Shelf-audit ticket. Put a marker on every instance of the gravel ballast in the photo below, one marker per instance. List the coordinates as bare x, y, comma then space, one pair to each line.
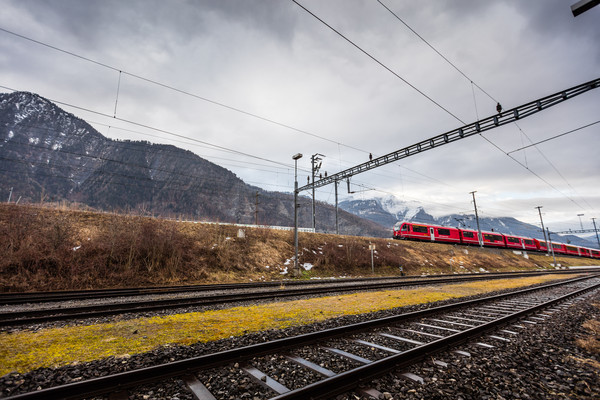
541, 362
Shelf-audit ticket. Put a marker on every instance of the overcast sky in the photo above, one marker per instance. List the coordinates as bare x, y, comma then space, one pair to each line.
267, 79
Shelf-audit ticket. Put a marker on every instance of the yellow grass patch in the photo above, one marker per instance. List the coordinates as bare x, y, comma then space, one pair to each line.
25, 351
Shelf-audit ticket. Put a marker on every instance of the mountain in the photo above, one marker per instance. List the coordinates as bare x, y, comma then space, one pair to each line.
388, 210
50, 155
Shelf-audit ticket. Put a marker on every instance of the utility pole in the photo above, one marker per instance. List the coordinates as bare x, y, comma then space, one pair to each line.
596, 230
337, 227
296, 264
10, 194
314, 159
580, 223
256, 210
550, 247
480, 237
544, 230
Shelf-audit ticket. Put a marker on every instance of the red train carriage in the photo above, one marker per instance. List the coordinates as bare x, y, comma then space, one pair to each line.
430, 233
492, 239
541, 245
514, 242
529, 244
583, 252
468, 237
594, 253
572, 250
559, 248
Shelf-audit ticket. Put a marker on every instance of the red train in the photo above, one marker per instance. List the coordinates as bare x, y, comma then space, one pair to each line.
444, 234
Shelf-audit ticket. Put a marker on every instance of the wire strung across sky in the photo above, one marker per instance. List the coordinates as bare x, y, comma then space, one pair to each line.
436, 103
263, 118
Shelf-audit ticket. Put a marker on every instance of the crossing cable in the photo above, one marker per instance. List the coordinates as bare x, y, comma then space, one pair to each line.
121, 72
465, 131
378, 62
163, 85
434, 49
554, 137
139, 124
475, 103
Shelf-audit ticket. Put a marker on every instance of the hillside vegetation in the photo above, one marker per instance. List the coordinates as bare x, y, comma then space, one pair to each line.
56, 249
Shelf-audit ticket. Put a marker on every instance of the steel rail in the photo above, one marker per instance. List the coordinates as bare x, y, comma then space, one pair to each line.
15, 298
37, 316
351, 379
125, 380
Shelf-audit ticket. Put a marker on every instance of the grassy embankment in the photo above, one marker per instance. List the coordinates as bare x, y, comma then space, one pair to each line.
54, 249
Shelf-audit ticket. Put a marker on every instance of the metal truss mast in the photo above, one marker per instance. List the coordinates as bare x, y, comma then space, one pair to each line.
502, 118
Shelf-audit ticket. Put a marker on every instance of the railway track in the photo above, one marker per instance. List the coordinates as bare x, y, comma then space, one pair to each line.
15, 298
326, 363
248, 292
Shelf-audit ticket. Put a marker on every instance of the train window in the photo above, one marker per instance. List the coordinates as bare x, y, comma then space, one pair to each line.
445, 232
404, 227
468, 235
528, 242
557, 246
492, 238
419, 229
512, 240
571, 248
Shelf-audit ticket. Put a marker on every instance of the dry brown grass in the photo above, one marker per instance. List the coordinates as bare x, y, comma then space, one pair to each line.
53, 249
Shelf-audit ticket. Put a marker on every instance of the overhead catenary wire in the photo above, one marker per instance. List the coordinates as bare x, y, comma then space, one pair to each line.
181, 91
379, 62
398, 76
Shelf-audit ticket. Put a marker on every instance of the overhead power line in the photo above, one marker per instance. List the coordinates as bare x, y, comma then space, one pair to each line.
475, 128
181, 91
434, 49
378, 62
166, 132
554, 137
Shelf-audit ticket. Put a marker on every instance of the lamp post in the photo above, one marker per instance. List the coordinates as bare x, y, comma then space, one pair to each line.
296, 157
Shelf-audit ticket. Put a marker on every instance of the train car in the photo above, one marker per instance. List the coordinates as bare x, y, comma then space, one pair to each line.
541, 245
572, 250
468, 237
594, 253
558, 248
514, 242
529, 244
490, 239
583, 252
430, 233
493, 239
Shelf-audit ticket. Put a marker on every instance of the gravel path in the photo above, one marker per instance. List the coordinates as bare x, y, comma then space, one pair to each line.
541, 362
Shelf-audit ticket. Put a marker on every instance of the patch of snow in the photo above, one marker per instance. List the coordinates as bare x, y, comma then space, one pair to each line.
483, 270
34, 140
285, 271
267, 267
340, 245
307, 266
76, 248
11, 134
56, 146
